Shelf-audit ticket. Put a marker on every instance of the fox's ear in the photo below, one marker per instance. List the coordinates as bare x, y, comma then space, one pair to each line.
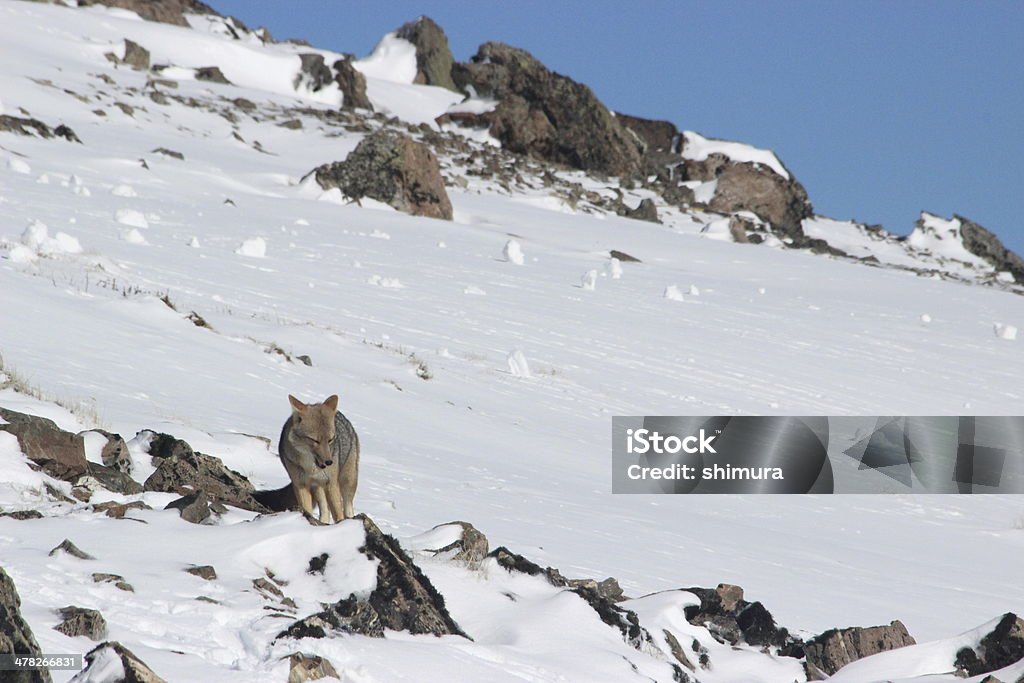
297, 405
331, 402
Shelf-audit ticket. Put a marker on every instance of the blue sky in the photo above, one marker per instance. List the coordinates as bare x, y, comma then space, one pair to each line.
881, 109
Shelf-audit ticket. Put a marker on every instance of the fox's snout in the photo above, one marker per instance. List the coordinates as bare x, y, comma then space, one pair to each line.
321, 463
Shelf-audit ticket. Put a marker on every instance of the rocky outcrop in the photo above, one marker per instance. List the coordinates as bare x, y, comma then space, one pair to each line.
211, 74
834, 649
657, 136
756, 188
34, 127
403, 599
544, 114
164, 11
135, 56
181, 470
103, 657
313, 74
1001, 647
731, 619
471, 547
15, 635
58, 453
392, 168
985, 245
433, 56
352, 84
80, 621
644, 211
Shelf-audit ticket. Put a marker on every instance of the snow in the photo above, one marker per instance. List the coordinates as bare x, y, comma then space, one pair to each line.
393, 59
131, 217
942, 238
1004, 331
589, 280
511, 431
672, 293
699, 148
254, 247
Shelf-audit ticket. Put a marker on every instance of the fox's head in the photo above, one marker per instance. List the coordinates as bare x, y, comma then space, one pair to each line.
313, 428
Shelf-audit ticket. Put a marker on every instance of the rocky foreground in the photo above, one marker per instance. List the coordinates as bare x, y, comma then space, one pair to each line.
403, 598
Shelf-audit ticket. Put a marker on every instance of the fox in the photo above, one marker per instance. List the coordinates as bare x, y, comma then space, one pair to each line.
319, 449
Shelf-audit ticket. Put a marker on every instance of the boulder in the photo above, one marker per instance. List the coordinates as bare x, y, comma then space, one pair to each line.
79, 621
15, 635
116, 579
433, 56
313, 74
66, 546
403, 600
211, 74
306, 667
986, 245
730, 619
392, 168
999, 648
114, 453
59, 454
657, 136
544, 114
113, 479
135, 56
205, 572
352, 84
644, 211
834, 649
472, 546
188, 473
105, 656
194, 508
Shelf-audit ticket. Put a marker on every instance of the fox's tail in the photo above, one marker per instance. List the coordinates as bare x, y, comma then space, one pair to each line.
278, 500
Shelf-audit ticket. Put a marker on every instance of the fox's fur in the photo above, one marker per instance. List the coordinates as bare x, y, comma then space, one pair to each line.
319, 449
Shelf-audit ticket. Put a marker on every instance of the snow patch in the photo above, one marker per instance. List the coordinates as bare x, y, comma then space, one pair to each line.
698, 148
254, 247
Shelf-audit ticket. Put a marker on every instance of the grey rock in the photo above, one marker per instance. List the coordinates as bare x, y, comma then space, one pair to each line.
306, 667
658, 136
352, 84
116, 579
22, 515
135, 670
623, 257
433, 56
66, 546
135, 56
169, 153
114, 453
16, 636
313, 74
644, 211
834, 649
758, 189
211, 74
544, 114
194, 508
403, 600
80, 621
113, 480
60, 454
205, 572
472, 546
392, 168
731, 619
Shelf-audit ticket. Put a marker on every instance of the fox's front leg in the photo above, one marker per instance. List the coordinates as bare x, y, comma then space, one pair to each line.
305, 498
321, 503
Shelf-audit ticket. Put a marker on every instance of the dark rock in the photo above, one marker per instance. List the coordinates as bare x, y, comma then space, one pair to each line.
187, 473
544, 114
65, 132
677, 195
305, 667
623, 256
291, 124
116, 579
313, 74
211, 74
193, 508
472, 546
644, 211
730, 619
393, 168
135, 671
114, 480
25, 126
1001, 647
986, 245
677, 650
70, 548
164, 11
623, 619
16, 636
79, 621
403, 600
609, 588
433, 56
22, 515
59, 454
166, 446
658, 136
204, 572
244, 104
135, 56
834, 649
169, 153
352, 83
305, 360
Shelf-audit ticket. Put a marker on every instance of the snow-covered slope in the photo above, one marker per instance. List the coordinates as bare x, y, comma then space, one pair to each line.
94, 233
